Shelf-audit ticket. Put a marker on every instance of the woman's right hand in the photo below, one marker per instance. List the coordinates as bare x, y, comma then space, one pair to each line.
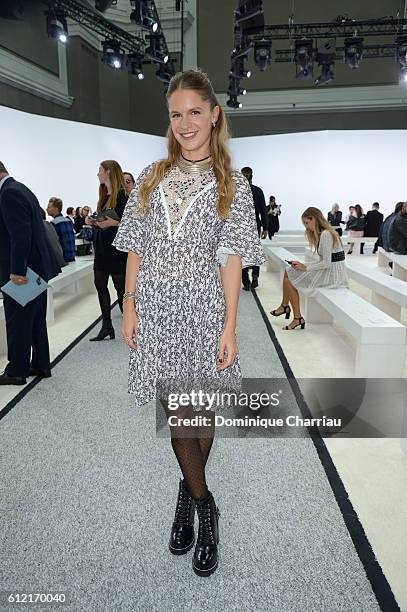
89, 221
130, 325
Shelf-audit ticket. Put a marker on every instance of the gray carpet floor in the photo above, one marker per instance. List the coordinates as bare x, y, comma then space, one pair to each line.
88, 493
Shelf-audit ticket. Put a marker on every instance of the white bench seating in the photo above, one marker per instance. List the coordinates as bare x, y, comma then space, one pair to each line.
380, 339
389, 294
76, 277
399, 268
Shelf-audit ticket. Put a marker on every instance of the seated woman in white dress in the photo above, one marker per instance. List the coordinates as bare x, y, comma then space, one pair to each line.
329, 271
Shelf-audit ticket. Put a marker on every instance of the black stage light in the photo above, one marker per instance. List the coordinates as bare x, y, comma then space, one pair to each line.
401, 55
13, 9
326, 60
262, 54
135, 65
162, 74
327, 74
304, 58
103, 5
353, 51
112, 54
143, 15
238, 70
156, 49
247, 10
57, 26
233, 102
234, 87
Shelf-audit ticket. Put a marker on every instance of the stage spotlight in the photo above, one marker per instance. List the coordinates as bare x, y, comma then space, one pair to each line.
162, 74
238, 70
154, 50
304, 58
143, 15
401, 52
233, 102
103, 5
135, 66
247, 10
262, 54
112, 54
353, 51
327, 74
326, 59
57, 26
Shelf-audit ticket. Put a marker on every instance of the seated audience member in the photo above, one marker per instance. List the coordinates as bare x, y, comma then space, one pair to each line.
54, 240
63, 228
273, 212
398, 232
356, 227
374, 220
384, 230
129, 182
329, 271
70, 214
335, 218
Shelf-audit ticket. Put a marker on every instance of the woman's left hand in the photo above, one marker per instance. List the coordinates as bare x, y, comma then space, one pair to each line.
227, 344
298, 265
109, 222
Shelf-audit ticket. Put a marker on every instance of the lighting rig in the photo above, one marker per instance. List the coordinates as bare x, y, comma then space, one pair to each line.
120, 49
309, 44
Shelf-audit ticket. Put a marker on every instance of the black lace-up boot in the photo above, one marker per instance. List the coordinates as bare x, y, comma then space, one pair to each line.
182, 533
205, 559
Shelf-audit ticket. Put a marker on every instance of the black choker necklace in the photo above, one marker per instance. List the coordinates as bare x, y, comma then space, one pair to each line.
195, 161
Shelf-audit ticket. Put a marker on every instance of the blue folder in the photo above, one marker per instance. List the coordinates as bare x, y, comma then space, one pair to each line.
25, 293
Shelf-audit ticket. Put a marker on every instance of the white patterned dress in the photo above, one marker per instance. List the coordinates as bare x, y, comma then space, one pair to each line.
179, 295
324, 272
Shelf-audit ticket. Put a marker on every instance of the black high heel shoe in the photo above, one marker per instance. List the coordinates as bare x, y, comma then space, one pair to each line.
301, 323
286, 311
104, 332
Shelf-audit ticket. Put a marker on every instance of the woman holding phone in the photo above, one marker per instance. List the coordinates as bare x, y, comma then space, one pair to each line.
108, 260
328, 271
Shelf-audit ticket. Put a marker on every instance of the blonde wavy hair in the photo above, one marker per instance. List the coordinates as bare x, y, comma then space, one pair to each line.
198, 81
320, 225
116, 181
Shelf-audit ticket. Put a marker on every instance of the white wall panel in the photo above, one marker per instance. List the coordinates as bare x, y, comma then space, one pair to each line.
320, 168
61, 158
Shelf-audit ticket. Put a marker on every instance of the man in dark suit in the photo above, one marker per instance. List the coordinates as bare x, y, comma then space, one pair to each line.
374, 220
23, 244
261, 220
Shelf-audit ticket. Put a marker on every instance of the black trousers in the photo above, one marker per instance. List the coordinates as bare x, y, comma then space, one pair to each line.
245, 274
101, 280
27, 337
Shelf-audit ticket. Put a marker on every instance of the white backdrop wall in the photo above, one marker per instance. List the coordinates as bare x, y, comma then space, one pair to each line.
60, 158
320, 168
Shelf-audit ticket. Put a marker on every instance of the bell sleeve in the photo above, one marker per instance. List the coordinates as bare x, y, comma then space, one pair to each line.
239, 231
132, 229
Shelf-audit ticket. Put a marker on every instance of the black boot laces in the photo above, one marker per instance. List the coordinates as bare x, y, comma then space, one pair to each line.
205, 534
182, 512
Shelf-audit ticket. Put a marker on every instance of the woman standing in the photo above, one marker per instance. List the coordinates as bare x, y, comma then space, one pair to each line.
188, 213
273, 212
108, 260
329, 271
335, 218
356, 227
128, 182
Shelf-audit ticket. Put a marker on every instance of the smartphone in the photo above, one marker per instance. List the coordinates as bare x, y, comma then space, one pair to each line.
289, 262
